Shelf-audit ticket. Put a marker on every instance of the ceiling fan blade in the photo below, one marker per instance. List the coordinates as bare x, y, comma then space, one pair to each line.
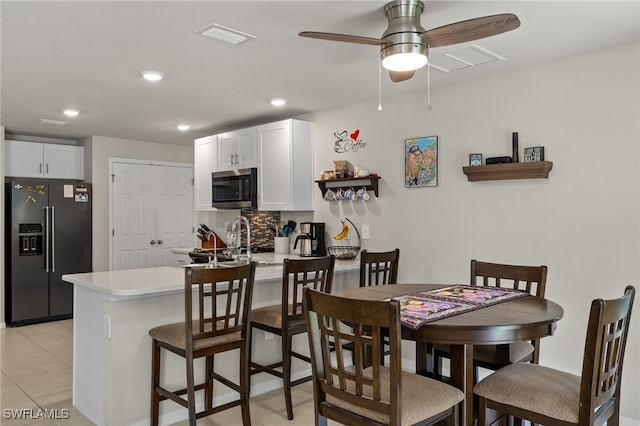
397, 76
472, 29
342, 37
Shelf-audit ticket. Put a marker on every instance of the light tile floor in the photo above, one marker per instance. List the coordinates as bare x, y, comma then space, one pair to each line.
35, 374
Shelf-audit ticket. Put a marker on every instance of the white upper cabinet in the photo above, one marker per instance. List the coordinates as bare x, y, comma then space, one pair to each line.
43, 160
205, 162
237, 149
285, 166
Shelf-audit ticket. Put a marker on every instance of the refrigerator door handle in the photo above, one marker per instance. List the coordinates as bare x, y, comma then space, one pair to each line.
46, 239
53, 239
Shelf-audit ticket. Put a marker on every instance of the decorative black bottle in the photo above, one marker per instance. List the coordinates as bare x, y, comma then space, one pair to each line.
514, 146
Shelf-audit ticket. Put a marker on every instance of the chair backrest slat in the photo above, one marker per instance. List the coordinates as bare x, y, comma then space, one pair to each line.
603, 355
222, 301
359, 323
532, 279
297, 274
379, 268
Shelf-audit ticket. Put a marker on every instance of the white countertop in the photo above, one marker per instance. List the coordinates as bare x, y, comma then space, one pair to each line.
151, 281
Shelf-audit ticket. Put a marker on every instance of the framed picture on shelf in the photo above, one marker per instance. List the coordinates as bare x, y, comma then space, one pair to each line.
475, 159
421, 162
535, 153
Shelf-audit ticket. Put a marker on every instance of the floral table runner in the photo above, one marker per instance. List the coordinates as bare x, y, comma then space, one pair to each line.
420, 308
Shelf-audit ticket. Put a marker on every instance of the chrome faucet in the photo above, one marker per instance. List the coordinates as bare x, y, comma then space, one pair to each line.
247, 257
213, 263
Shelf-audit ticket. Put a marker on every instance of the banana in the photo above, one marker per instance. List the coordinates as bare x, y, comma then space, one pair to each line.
343, 233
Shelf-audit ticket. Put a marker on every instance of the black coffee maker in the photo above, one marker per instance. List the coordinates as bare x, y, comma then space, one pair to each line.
316, 231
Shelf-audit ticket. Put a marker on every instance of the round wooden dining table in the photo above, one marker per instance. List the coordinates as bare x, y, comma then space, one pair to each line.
514, 320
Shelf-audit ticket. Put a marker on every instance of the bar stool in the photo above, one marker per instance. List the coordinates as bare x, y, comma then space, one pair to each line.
287, 319
217, 306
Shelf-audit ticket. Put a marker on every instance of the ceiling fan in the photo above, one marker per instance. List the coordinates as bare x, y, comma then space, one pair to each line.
405, 44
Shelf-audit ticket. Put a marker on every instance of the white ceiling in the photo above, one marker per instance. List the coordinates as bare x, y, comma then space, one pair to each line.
88, 55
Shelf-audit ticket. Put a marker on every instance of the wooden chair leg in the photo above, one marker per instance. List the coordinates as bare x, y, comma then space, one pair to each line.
155, 381
208, 389
421, 358
437, 365
245, 387
250, 351
286, 372
191, 394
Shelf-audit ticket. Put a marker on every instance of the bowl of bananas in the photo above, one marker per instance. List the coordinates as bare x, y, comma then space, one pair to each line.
345, 252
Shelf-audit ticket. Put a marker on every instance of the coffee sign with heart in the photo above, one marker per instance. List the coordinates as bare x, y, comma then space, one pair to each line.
348, 141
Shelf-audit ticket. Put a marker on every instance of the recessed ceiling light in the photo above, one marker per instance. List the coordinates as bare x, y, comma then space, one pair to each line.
71, 112
183, 127
278, 101
152, 75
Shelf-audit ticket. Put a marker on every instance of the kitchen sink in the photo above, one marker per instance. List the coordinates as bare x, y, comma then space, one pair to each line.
230, 264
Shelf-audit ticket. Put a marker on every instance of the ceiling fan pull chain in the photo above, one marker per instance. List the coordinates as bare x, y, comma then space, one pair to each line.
428, 83
379, 86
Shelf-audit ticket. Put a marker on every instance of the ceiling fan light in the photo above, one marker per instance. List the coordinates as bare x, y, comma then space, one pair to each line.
404, 61
152, 75
278, 102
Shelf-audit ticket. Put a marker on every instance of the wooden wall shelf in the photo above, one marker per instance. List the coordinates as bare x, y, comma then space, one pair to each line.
532, 170
369, 182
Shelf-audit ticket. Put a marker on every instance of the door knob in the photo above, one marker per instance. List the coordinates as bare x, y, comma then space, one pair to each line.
159, 242
152, 242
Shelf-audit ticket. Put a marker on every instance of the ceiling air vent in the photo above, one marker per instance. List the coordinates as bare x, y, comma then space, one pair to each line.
53, 122
221, 33
460, 59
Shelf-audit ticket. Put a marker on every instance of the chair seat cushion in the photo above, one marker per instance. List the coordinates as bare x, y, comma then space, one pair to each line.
535, 388
173, 334
422, 397
271, 316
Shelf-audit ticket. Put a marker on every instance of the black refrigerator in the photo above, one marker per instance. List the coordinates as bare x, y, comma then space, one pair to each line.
47, 235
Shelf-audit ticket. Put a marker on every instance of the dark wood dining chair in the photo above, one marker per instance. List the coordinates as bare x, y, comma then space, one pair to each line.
561, 398
217, 306
379, 268
533, 280
360, 394
287, 319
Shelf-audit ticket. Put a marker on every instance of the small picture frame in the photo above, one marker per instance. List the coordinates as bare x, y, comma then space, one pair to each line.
421, 162
534, 153
475, 159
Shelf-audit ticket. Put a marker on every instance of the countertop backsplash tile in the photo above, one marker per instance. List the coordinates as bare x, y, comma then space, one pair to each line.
261, 222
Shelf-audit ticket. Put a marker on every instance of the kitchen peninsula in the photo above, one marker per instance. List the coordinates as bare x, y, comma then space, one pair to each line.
113, 312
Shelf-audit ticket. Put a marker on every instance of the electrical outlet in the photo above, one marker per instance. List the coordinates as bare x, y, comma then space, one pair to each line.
106, 325
365, 231
268, 335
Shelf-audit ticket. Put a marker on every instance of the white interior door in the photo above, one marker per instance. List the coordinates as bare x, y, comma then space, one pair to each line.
152, 212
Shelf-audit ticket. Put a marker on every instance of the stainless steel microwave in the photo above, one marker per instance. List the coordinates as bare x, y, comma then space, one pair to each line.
235, 189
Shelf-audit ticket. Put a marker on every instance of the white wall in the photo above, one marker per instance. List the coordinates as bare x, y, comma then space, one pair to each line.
101, 149
583, 222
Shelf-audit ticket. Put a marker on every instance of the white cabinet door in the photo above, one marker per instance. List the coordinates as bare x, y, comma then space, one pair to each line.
23, 159
44, 160
285, 166
246, 146
237, 149
227, 150
205, 152
63, 161
151, 213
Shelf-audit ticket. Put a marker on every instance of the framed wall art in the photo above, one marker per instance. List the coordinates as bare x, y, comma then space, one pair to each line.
421, 162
